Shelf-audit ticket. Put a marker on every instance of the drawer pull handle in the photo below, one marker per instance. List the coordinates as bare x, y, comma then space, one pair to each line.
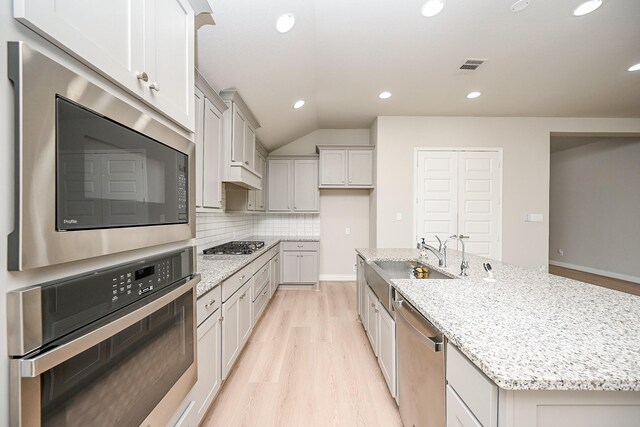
155, 86
241, 277
301, 246
210, 303
143, 76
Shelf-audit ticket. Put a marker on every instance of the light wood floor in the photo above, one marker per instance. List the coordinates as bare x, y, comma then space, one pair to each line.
607, 282
308, 363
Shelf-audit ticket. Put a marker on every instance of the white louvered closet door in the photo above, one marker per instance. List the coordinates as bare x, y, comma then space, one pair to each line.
458, 192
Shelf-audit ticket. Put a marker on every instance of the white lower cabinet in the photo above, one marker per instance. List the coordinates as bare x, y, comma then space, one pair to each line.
300, 262
458, 415
360, 286
275, 273
209, 366
387, 348
380, 327
372, 319
236, 326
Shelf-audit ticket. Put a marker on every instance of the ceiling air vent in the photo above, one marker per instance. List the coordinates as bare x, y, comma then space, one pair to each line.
472, 64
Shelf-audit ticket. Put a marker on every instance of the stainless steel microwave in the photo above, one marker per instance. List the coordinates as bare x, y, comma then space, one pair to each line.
94, 175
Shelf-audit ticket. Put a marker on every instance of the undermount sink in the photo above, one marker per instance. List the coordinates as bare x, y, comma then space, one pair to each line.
406, 270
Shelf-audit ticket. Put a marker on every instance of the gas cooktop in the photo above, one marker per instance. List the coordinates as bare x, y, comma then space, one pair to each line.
244, 247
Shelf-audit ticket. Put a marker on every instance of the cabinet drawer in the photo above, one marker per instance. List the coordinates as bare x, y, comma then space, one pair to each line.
259, 263
259, 304
208, 303
261, 279
477, 391
300, 246
234, 282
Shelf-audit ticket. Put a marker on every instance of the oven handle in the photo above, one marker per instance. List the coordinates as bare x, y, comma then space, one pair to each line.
31, 368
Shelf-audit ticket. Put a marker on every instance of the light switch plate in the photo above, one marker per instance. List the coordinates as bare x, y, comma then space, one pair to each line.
399, 216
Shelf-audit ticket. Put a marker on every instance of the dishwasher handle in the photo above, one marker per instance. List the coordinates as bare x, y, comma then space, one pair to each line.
419, 324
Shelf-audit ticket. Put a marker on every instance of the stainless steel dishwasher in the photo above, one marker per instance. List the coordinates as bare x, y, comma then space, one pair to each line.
421, 379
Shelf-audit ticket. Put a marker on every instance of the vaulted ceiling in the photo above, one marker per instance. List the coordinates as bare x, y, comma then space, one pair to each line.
341, 54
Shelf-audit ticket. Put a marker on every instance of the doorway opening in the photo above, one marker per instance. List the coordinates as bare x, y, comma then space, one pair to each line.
594, 209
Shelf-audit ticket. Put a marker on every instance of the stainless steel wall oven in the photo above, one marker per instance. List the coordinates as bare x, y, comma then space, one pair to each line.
115, 347
94, 175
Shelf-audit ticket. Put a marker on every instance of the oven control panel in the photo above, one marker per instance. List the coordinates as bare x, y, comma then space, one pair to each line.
129, 285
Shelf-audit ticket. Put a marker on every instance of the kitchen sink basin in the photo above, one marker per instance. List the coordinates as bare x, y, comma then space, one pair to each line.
406, 270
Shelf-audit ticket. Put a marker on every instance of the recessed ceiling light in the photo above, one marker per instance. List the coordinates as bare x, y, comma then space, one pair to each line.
384, 95
432, 7
634, 67
285, 22
298, 104
587, 7
473, 95
520, 5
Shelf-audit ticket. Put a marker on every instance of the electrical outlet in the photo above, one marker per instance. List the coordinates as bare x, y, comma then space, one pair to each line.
399, 216
543, 268
354, 267
347, 231
561, 252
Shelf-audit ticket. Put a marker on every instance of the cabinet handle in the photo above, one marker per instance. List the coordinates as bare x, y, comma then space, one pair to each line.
246, 162
241, 277
301, 246
210, 303
143, 76
155, 86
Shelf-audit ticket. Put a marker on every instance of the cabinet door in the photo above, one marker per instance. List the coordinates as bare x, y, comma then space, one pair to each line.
279, 184
290, 267
231, 340
360, 286
245, 313
308, 267
199, 140
237, 136
333, 167
306, 196
275, 273
360, 167
249, 154
169, 57
372, 321
387, 348
106, 35
212, 181
260, 194
458, 415
365, 310
209, 367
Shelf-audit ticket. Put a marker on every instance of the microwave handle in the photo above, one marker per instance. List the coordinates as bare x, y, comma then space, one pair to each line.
34, 367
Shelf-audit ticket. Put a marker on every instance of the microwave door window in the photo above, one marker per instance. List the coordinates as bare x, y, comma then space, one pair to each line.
111, 176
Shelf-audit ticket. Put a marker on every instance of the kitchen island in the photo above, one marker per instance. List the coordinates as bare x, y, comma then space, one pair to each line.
555, 347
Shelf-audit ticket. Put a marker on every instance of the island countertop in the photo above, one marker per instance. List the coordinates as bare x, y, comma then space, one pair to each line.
529, 330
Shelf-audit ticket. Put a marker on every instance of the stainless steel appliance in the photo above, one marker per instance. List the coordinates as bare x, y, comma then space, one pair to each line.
94, 175
115, 347
245, 247
421, 374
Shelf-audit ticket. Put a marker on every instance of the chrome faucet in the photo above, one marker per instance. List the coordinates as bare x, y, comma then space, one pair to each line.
464, 266
441, 253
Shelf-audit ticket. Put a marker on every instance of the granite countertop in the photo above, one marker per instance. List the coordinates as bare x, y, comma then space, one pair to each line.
215, 268
530, 330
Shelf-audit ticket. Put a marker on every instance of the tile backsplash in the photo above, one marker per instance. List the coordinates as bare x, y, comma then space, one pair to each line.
216, 228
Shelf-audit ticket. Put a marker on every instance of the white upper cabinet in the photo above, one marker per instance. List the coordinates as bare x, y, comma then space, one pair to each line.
239, 143
293, 185
344, 166
147, 47
209, 108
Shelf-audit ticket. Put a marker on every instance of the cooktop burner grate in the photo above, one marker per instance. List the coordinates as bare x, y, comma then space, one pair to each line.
243, 247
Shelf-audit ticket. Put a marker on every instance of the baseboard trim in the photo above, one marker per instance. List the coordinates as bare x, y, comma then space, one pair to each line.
599, 272
337, 277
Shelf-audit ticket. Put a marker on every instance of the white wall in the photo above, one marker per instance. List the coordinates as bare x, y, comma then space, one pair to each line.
12, 30
525, 143
307, 144
595, 208
338, 208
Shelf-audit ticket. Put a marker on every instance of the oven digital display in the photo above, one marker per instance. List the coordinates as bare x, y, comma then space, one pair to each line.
144, 272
